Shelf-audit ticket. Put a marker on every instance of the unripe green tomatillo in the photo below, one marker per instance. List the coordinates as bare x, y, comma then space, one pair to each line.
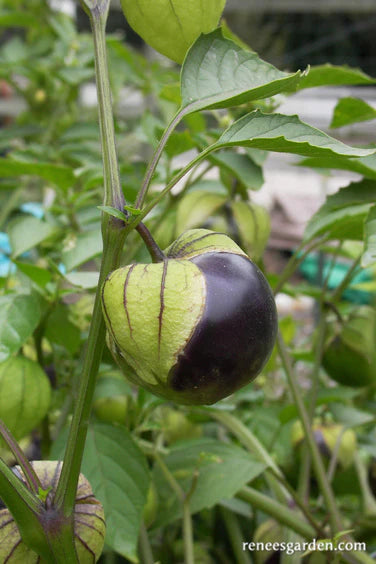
89, 523
171, 26
25, 395
195, 327
326, 437
350, 353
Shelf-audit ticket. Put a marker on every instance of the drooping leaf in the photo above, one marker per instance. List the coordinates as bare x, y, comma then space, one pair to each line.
242, 167
285, 134
60, 175
343, 213
86, 246
369, 255
365, 166
331, 75
27, 232
222, 469
19, 316
217, 73
118, 473
351, 110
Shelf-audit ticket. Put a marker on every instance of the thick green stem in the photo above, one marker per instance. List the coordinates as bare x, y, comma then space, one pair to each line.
113, 239
280, 512
334, 516
188, 534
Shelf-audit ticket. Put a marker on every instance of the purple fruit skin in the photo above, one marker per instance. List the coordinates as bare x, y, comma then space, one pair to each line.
236, 335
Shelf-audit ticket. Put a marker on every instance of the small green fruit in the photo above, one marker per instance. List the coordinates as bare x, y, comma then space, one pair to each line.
195, 327
171, 26
151, 506
89, 529
176, 426
111, 399
350, 353
326, 437
112, 409
25, 395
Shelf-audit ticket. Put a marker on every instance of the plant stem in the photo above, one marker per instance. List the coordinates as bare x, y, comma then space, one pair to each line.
155, 158
155, 252
369, 501
113, 234
349, 275
305, 471
334, 516
280, 512
30, 476
188, 534
247, 438
235, 536
144, 546
169, 187
294, 262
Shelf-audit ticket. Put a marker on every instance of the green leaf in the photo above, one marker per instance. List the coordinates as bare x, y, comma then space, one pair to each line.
84, 279
343, 213
133, 210
217, 73
17, 18
365, 166
60, 175
241, 166
40, 276
113, 211
222, 470
26, 232
324, 396
19, 316
118, 473
86, 246
74, 76
351, 416
330, 75
285, 134
60, 330
351, 110
369, 255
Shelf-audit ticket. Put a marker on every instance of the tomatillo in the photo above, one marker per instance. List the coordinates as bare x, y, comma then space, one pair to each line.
196, 326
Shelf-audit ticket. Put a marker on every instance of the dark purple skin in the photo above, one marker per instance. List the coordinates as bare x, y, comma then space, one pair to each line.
235, 337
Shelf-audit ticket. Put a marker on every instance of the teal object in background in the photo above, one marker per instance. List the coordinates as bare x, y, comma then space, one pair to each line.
309, 268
